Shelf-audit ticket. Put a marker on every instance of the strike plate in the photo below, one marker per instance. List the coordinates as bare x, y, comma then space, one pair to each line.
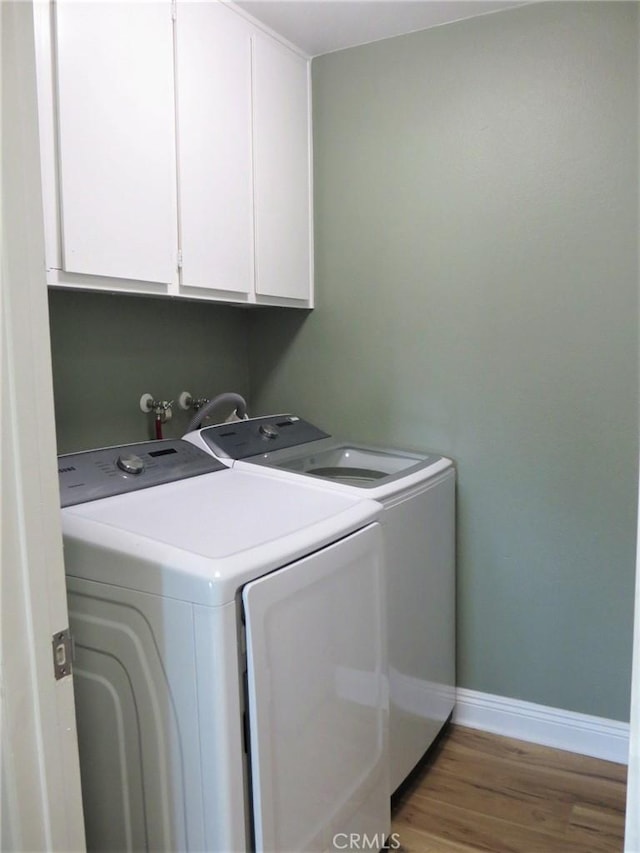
62, 653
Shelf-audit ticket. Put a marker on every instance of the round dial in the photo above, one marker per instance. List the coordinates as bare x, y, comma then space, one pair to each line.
268, 431
130, 463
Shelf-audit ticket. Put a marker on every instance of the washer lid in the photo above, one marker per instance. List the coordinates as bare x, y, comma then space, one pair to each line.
201, 539
357, 464
290, 446
352, 468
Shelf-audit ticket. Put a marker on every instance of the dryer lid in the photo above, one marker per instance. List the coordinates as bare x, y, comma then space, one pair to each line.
202, 538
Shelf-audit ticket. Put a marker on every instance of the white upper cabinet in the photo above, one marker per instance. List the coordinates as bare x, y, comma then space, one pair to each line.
213, 65
175, 150
116, 130
282, 170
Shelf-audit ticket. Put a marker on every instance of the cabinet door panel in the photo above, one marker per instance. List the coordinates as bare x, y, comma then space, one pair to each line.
116, 124
214, 150
281, 158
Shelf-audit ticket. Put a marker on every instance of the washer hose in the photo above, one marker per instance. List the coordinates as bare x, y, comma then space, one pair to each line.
227, 398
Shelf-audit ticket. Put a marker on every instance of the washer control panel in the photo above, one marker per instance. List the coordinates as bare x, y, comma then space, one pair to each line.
94, 474
241, 439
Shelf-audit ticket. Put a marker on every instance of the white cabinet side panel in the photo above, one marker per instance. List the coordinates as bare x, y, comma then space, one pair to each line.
214, 149
42, 17
282, 169
117, 139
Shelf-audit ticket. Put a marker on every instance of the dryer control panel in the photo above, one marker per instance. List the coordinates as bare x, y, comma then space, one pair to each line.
241, 439
94, 474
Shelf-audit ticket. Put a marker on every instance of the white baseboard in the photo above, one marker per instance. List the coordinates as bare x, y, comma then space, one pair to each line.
526, 721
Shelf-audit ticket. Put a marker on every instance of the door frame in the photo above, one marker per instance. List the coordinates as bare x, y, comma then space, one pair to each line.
632, 829
41, 799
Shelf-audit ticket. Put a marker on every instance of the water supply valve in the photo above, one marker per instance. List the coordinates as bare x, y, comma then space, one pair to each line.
187, 401
161, 409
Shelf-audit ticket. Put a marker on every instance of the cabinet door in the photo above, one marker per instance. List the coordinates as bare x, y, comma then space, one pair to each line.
116, 121
214, 148
282, 171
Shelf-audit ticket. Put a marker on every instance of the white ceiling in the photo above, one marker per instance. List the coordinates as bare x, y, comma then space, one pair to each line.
322, 26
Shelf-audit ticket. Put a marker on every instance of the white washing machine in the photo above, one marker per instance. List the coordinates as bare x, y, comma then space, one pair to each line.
230, 655
418, 495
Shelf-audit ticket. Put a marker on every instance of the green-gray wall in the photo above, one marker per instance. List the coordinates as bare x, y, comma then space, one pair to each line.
108, 350
476, 191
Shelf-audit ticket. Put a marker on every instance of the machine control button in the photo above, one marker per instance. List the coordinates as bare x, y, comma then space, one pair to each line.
268, 431
130, 464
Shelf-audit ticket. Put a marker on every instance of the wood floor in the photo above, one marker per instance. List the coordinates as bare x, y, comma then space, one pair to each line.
483, 792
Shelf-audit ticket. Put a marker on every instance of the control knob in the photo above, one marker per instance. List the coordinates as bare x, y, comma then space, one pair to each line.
268, 431
130, 464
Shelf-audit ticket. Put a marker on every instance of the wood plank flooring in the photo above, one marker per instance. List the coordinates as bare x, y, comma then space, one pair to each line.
482, 792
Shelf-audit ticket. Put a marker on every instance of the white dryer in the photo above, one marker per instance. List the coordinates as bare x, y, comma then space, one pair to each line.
417, 491
230, 657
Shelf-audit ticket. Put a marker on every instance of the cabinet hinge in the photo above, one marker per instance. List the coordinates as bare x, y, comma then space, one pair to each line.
180, 259
174, 10
62, 643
